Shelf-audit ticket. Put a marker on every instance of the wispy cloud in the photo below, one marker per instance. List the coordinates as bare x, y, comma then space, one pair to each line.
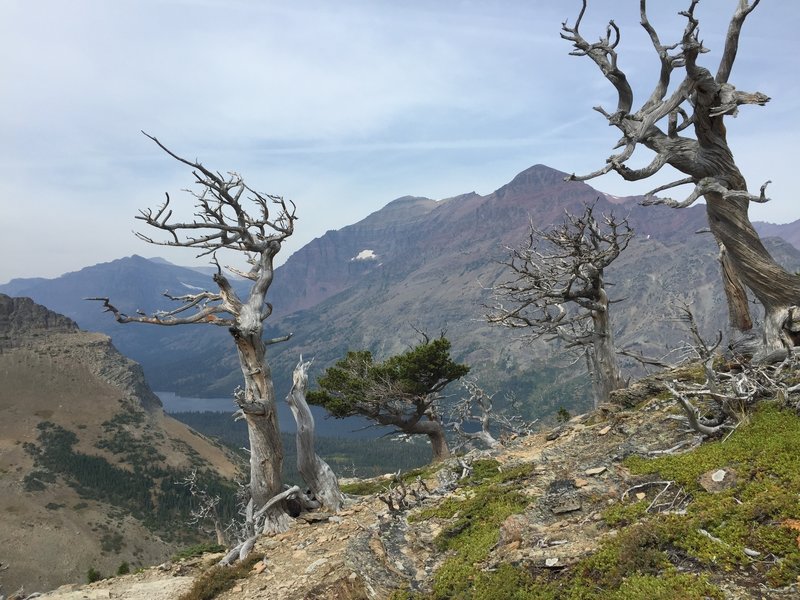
342, 106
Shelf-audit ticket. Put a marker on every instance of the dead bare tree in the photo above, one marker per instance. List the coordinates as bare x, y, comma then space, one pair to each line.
222, 222
557, 287
396, 494
700, 101
463, 412
316, 473
730, 394
478, 407
206, 509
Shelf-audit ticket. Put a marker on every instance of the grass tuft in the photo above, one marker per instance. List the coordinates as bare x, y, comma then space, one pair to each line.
219, 579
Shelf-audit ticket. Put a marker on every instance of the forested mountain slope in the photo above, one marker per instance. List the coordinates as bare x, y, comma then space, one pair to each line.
90, 467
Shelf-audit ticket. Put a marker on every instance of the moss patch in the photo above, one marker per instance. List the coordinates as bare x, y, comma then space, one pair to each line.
491, 494
755, 514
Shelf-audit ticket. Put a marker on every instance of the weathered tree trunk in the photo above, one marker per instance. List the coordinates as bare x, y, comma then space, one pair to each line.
218, 531
436, 435
776, 289
745, 260
316, 473
257, 402
266, 452
606, 374
728, 219
735, 293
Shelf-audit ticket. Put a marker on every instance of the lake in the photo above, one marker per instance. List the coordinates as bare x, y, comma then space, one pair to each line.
325, 425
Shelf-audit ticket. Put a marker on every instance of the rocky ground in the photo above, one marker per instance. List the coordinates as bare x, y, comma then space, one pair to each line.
368, 551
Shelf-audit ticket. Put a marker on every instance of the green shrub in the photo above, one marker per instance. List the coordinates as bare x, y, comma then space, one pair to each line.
124, 568
112, 542
93, 575
219, 579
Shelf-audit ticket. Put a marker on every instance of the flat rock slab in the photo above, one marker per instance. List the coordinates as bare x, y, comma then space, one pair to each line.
562, 496
717, 480
167, 588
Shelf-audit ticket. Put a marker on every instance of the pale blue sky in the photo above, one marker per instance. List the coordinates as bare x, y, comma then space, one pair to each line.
341, 106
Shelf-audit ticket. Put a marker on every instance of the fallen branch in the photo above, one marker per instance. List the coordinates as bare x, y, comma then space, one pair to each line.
243, 548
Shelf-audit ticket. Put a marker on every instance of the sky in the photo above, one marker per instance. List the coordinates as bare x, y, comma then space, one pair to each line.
339, 106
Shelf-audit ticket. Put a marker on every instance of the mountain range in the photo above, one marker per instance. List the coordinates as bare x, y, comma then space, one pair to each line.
421, 264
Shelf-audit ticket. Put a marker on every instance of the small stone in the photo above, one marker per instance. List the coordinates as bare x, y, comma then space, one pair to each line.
717, 480
314, 517
512, 529
237, 589
604, 430
551, 562
752, 553
641, 496
553, 435
315, 565
579, 483
595, 470
259, 568
568, 504
165, 566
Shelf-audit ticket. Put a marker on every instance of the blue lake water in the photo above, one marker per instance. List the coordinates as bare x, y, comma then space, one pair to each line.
327, 426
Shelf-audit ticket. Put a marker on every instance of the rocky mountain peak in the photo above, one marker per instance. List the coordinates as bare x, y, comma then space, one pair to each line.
537, 176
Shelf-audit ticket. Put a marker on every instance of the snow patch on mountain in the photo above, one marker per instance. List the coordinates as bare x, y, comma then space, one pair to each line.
365, 255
